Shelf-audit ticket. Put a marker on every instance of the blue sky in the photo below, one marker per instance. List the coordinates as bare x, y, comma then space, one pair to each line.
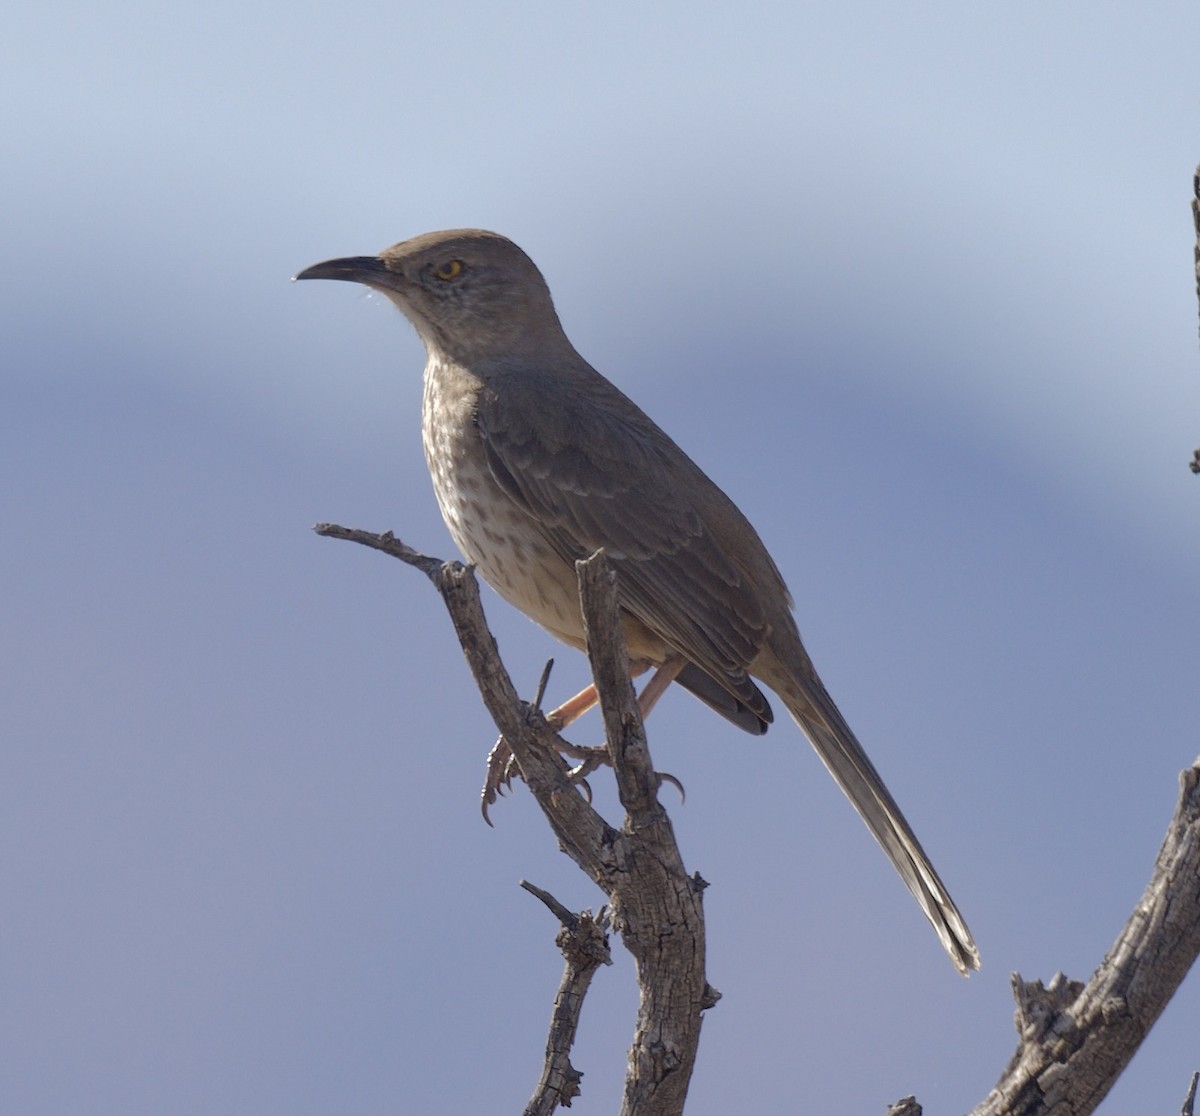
912, 284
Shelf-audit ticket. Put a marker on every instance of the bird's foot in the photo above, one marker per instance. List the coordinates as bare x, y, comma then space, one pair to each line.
501, 767
590, 758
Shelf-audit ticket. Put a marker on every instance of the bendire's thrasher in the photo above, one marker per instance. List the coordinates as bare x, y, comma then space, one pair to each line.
537, 461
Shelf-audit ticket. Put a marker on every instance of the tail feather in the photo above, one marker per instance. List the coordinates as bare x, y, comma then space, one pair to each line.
815, 712
753, 720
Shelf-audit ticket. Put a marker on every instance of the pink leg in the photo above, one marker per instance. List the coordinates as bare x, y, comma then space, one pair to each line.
574, 708
657, 686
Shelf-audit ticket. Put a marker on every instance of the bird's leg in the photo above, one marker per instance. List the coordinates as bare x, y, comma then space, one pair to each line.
659, 681
591, 758
574, 708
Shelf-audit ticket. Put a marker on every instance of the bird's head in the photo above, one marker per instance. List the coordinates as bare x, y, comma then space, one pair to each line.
473, 296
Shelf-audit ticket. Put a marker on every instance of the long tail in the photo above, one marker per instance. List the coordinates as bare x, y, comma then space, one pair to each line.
814, 711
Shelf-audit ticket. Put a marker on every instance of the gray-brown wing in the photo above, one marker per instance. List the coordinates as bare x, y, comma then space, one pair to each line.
593, 470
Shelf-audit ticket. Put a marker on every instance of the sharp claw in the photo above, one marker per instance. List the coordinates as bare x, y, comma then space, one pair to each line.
498, 777
663, 777
502, 768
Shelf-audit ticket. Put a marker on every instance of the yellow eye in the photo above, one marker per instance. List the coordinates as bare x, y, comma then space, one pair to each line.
451, 269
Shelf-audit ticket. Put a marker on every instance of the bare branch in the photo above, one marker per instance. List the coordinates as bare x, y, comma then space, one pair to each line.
584, 945
655, 904
387, 542
1189, 1103
623, 725
1196, 222
1076, 1039
1194, 465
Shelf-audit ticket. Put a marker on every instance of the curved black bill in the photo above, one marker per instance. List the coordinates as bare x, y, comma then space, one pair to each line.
354, 269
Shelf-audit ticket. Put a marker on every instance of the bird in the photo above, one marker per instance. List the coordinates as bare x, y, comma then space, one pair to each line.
538, 460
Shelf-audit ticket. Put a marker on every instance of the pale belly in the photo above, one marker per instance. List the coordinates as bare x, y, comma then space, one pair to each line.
495, 535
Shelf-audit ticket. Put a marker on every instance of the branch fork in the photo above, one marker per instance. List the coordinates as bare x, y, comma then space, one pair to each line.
1075, 1039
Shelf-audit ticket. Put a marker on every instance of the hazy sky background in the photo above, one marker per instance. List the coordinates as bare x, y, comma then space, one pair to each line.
912, 282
